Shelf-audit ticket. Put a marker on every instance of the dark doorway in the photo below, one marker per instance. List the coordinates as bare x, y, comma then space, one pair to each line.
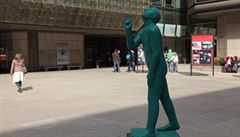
98, 50
33, 51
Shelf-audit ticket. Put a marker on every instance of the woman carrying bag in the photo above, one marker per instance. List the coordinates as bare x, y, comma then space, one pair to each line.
17, 70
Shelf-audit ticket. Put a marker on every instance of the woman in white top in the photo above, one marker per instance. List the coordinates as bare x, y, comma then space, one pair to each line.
175, 62
17, 70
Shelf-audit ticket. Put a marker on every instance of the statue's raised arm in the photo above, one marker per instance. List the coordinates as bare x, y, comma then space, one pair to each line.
132, 42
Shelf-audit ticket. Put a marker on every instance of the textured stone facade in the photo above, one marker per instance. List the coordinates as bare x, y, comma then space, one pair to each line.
47, 43
80, 14
228, 33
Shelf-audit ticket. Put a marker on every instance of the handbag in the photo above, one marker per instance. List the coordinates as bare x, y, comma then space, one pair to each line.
24, 69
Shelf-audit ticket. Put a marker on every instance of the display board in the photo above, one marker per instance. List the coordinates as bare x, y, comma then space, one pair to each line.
62, 54
202, 50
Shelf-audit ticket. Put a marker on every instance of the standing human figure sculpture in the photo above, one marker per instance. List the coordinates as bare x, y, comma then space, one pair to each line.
150, 37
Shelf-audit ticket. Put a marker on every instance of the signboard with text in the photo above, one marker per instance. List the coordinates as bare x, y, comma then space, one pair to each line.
202, 50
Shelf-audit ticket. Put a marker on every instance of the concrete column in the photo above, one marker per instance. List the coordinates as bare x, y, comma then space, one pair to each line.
20, 45
228, 33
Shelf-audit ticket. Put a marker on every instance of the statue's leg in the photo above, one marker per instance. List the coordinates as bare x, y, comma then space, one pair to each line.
169, 109
153, 107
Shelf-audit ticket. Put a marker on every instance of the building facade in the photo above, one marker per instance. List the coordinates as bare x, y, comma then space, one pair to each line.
220, 18
52, 33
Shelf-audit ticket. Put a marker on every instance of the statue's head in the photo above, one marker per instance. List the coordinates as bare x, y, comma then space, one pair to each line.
151, 14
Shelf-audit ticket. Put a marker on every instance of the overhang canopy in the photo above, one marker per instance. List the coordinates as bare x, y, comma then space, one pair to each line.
212, 10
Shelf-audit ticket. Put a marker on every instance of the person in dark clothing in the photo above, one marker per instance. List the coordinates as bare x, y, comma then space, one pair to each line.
116, 61
128, 59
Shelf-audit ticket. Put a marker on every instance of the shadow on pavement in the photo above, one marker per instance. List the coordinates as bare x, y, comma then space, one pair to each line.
193, 74
238, 76
26, 89
214, 114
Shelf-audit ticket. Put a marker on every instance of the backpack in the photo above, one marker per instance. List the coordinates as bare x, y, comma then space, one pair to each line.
128, 56
235, 67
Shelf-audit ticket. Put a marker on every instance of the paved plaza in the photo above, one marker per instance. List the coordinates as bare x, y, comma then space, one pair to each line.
100, 103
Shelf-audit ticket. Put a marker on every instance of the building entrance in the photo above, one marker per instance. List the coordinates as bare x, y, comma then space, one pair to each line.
98, 51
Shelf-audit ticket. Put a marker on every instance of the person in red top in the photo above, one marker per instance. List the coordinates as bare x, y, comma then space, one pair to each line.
116, 61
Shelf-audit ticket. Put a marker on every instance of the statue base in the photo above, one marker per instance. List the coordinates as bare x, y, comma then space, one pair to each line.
137, 132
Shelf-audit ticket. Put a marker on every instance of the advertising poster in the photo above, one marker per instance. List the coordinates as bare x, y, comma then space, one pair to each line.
196, 45
196, 57
206, 57
62, 54
202, 50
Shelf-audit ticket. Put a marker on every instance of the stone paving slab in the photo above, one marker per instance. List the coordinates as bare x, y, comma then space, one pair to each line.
136, 132
98, 102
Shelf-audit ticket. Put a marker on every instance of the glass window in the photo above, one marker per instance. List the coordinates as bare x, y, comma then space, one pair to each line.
160, 26
212, 31
101, 5
169, 30
85, 3
76, 3
195, 32
178, 4
203, 30
107, 4
93, 3
181, 31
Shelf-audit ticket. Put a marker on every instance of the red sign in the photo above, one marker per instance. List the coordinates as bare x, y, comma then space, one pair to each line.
3, 57
202, 50
200, 38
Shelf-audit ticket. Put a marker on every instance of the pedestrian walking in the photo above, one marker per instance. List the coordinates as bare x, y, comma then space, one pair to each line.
18, 69
119, 61
128, 59
132, 60
170, 58
116, 61
175, 62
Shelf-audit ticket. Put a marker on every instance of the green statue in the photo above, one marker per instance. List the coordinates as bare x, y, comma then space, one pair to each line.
151, 39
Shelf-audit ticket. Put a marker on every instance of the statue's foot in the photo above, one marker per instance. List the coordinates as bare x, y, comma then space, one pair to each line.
148, 134
170, 126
